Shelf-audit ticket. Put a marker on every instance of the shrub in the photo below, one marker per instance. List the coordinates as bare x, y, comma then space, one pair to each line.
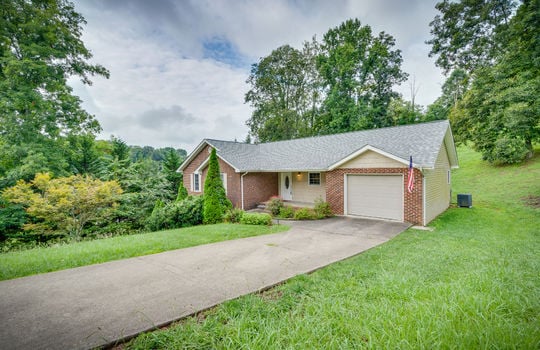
234, 216
274, 205
182, 192
216, 202
508, 151
188, 212
305, 214
322, 209
256, 219
286, 212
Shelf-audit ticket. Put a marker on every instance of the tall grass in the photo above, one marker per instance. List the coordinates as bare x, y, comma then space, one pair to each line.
39, 260
471, 283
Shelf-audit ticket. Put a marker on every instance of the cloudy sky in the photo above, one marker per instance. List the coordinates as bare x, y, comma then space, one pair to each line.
178, 67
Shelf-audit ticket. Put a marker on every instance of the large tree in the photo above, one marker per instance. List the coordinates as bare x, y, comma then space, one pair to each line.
500, 112
40, 48
358, 73
281, 94
470, 33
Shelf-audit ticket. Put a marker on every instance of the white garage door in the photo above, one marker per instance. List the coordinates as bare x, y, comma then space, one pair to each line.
377, 196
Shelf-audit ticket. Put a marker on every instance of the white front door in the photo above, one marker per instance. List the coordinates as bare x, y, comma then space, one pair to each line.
286, 186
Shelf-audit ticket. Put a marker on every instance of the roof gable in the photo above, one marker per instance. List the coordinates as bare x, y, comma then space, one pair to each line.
321, 153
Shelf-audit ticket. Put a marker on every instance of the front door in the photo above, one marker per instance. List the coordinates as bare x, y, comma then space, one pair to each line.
286, 186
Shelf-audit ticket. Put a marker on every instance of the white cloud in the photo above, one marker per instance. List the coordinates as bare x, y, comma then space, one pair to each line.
164, 92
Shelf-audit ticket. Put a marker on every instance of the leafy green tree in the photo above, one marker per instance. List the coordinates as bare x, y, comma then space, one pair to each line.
468, 34
358, 72
280, 94
144, 184
40, 48
12, 218
216, 202
64, 204
83, 155
453, 90
171, 163
120, 150
499, 112
182, 192
401, 112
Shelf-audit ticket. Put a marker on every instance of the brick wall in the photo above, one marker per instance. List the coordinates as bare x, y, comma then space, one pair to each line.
413, 201
259, 187
233, 178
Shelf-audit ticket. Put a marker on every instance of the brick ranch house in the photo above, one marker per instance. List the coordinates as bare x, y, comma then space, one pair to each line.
362, 173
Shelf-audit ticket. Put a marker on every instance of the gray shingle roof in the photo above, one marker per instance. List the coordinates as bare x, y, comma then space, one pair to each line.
422, 141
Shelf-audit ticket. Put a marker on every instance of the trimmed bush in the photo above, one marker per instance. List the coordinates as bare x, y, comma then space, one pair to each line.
234, 216
322, 209
182, 192
216, 202
274, 205
188, 212
305, 214
256, 219
286, 212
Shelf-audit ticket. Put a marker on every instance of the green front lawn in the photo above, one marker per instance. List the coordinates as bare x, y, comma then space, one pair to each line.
471, 283
39, 260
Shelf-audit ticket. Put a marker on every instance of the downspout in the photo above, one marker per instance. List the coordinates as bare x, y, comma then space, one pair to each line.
242, 187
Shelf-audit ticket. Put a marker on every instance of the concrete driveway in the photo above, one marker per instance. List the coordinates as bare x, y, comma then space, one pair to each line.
97, 305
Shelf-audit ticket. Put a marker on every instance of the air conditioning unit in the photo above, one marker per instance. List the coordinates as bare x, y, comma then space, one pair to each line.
464, 200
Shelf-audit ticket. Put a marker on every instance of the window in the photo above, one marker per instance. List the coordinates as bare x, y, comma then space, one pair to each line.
448, 177
223, 177
196, 182
314, 179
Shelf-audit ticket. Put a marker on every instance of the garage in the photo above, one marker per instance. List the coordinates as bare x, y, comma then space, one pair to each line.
376, 196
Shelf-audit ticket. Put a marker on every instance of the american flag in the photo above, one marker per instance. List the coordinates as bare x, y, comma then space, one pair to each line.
410, 184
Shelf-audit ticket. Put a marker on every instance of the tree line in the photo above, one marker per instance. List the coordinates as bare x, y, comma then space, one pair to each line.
57, 180
488, 49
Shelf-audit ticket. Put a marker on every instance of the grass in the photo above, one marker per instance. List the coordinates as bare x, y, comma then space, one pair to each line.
39, 260
471, 283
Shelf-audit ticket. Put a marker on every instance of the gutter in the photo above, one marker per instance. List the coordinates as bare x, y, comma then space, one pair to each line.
242, 187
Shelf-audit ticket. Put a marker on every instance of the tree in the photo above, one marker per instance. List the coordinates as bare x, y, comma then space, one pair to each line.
216, 202
280, 94
40, 48
470, 33
171, 163
358, 73
401, 112
499, 112
182, 192
453, 90
64, 204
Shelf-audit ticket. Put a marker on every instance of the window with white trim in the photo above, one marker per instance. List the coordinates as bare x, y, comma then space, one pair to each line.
314, 179
196, 183
223, 177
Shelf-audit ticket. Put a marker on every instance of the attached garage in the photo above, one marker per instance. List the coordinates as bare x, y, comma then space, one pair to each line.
376, 196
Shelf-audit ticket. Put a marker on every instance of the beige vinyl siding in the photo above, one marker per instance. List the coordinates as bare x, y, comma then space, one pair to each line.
437, 188
370, 159
303, 192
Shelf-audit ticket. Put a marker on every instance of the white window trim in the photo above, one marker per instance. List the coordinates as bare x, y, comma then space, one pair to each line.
193, 182
308, 179
223, 177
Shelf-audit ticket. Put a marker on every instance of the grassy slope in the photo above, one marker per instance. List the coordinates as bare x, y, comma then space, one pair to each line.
39, 260
471, 283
